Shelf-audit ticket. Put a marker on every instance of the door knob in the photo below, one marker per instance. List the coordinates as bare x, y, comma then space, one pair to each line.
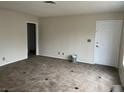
97, 46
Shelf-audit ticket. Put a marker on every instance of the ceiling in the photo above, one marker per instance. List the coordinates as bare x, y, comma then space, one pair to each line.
62, 8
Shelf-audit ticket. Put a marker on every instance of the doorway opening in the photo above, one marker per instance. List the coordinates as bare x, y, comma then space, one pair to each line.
31, 38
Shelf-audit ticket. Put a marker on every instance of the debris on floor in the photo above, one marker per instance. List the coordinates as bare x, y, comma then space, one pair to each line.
76, 88
99, 77
44, 74
46, 78
72, 71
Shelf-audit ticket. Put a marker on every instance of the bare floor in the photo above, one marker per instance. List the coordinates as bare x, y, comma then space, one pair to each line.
48, 75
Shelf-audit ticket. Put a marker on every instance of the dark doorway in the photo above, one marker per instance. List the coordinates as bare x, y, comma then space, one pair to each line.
31, 32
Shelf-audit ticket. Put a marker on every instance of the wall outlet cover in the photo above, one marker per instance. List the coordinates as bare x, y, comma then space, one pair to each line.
58, 53
3, 58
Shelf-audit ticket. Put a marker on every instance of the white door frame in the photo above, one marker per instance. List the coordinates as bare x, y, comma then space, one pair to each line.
37, 37
95, 44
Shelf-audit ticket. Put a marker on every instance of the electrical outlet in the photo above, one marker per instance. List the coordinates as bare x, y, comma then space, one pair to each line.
3, 58
63, 54
58, 53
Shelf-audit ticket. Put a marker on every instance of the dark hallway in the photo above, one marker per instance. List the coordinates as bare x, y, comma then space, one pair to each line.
31, 29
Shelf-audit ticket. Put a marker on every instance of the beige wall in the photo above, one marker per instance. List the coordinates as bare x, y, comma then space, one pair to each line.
69, 34
13, 36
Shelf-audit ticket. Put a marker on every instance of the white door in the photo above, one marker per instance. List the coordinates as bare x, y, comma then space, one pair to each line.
107, 42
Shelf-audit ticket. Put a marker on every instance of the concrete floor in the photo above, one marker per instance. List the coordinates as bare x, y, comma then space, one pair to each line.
52, 75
